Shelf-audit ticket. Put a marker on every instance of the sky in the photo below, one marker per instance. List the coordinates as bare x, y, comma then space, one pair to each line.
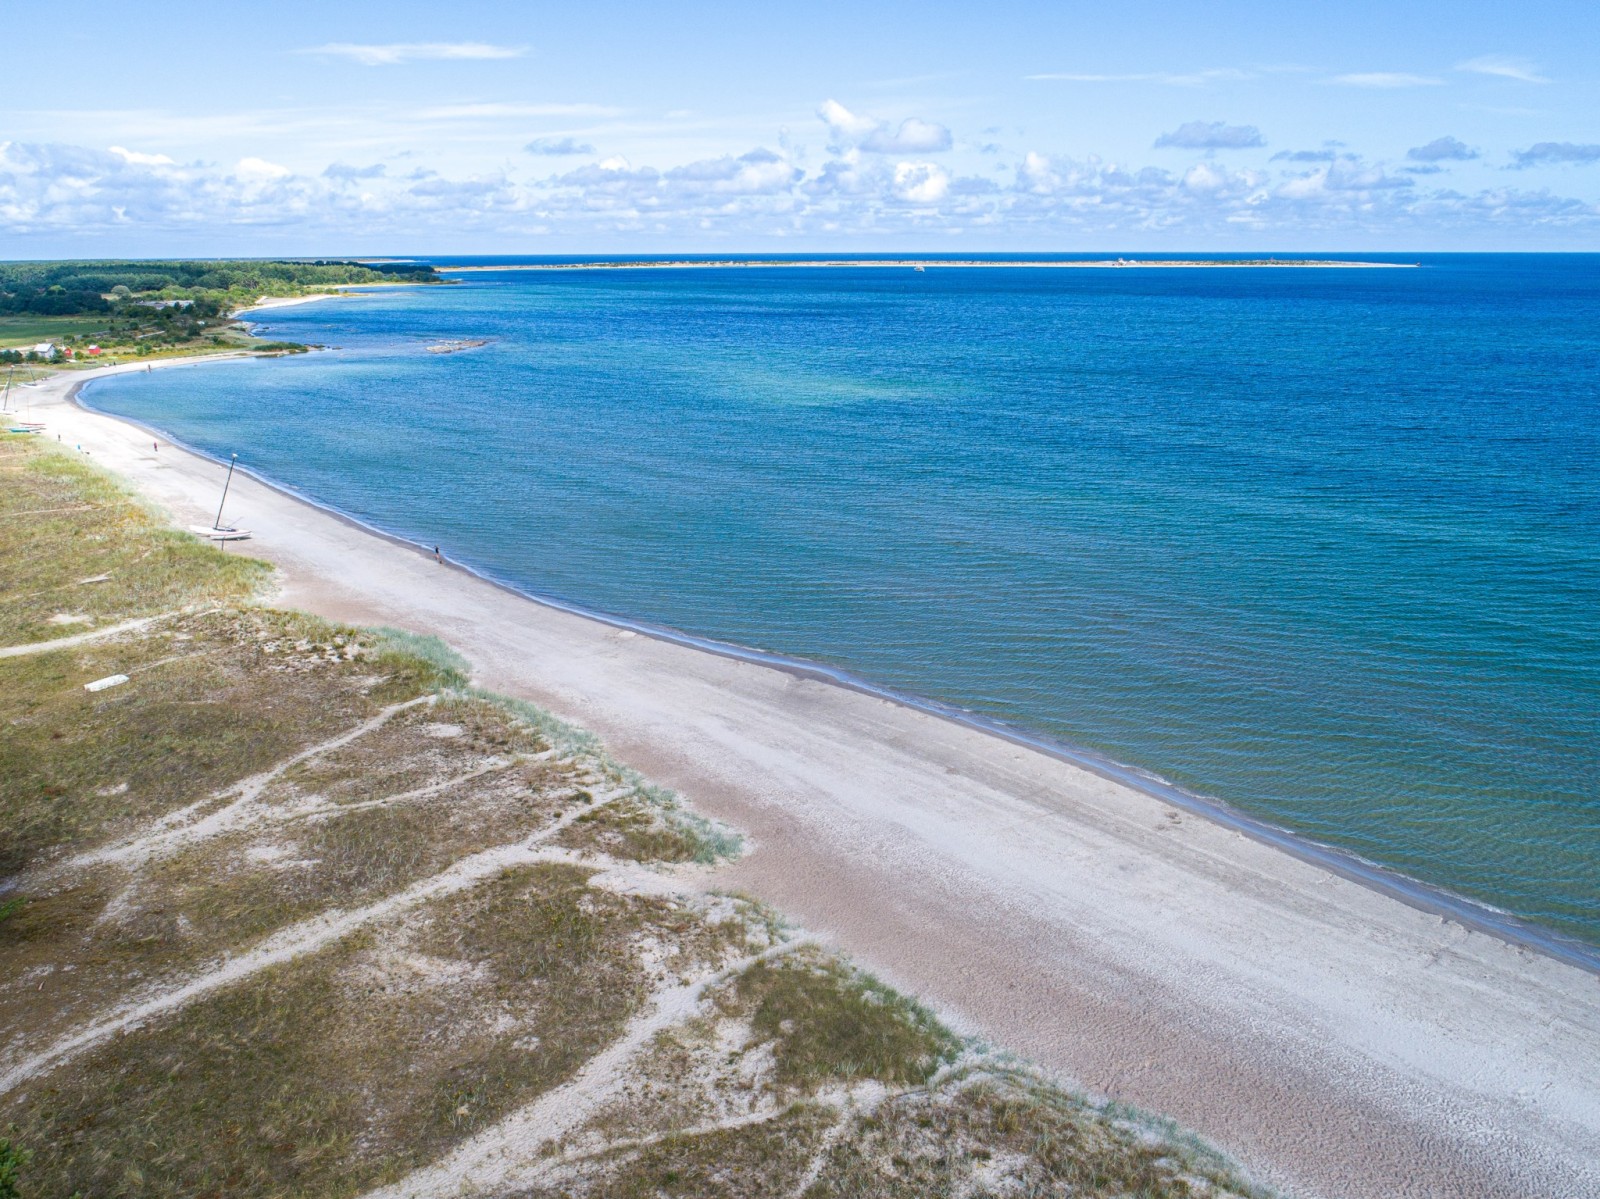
353, 127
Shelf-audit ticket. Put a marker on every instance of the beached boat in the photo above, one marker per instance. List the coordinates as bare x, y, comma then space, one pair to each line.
221, 534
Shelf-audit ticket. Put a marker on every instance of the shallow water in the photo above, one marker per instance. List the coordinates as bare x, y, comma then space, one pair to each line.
1319, 543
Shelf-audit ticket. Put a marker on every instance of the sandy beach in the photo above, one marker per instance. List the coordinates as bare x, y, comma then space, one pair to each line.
1338, 1041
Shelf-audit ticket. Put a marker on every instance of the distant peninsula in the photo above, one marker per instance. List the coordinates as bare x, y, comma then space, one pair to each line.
89, 313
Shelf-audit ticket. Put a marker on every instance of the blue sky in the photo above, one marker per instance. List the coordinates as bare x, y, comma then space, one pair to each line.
354, 127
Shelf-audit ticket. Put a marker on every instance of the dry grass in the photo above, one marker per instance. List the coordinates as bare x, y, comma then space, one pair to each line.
737, 1163
212, 698
1008, 1132
827, 1023
63, 522
352, 1065
635, 829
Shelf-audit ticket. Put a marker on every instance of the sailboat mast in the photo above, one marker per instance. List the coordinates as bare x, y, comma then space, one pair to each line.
226, 484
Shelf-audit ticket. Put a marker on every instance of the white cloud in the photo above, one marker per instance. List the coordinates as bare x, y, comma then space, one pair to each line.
1504, 66
556, 146
1387, 80
393, 53
344, 171
1442, 149
1203, 177
876, 137
844, 122
921, 182
1549, 153
760, 172
148, 160
1211, 135
913, 137
260, 168
76, 195
1324, 155
1338, 179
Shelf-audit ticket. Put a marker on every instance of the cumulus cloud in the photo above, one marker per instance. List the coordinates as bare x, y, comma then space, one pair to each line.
1552, 153
260, 168
850, 129
73, 192
1442, 149
609, 174
344, 171
913, 137
845, 123
1304, 156
1386, 80
394, 53
1341, 177
760, 172
556, 146
921, 182
1504, 66
1211, 135
149, 160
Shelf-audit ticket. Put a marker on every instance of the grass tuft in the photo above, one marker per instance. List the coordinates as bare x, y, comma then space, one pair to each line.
13, 1160
698, 839
450, 669
827, 1021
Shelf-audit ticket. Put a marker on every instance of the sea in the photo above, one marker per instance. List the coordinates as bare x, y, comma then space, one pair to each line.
1322, 545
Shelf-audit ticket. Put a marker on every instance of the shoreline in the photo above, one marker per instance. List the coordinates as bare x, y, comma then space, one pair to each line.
1270, 999
342, 291
1424, 896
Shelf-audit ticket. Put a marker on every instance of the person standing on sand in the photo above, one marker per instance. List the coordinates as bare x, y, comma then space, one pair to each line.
437, 556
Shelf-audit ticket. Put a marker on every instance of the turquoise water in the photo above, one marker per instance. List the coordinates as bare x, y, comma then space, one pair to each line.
1321, 544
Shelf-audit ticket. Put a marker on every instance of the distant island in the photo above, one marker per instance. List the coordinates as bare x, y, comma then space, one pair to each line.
913, 263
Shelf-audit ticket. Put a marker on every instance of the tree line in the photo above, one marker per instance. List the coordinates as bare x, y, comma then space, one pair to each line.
86, 288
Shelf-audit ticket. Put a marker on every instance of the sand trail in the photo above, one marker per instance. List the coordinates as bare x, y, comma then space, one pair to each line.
186, 826
110, 630
310, 935
508, 1155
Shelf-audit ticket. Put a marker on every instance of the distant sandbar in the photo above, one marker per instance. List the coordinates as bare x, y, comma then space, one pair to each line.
915, 263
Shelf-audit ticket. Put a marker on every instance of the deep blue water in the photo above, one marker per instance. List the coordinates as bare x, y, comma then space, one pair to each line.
1319, 543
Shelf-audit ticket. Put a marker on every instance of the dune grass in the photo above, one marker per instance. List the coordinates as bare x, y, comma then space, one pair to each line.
829, 1022
968, 1135
212, 698
348, 1067
76, 543
361, 1060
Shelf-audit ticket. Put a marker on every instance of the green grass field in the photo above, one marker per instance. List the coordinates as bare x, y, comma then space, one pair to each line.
29, 330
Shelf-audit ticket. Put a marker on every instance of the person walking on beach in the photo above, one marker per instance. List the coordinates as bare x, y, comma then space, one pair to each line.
437, 556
